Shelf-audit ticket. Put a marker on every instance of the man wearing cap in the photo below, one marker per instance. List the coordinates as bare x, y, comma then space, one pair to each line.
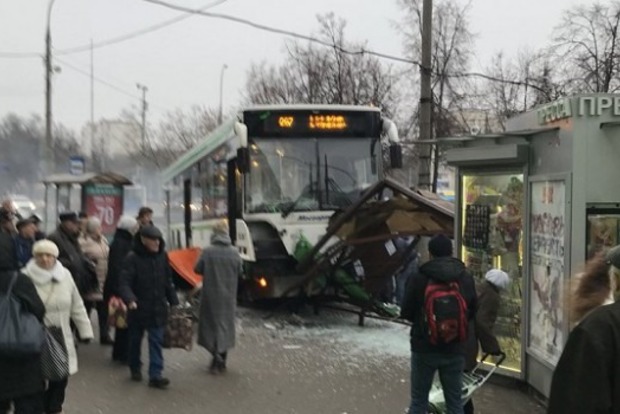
147, 289
587, 376
70, 253
26, 230
39, 234
8, 255
426, 357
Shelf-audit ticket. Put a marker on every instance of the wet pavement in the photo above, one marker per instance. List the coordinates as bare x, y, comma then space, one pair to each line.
284, 364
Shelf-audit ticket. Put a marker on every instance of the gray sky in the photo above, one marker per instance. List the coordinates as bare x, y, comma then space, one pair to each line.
181, 64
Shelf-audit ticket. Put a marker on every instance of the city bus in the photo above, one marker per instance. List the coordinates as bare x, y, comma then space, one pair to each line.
277, 173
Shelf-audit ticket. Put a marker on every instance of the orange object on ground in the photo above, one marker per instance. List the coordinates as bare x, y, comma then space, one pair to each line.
183, 262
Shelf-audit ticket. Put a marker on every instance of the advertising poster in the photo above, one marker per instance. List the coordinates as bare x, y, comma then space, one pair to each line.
104, 201
547, 269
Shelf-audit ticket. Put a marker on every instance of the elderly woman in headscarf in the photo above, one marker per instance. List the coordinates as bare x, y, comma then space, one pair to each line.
495, 281
220, 266
63, 305
587, 376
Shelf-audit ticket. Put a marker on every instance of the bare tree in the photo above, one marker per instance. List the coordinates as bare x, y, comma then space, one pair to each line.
313, 74
177, 133
586, 46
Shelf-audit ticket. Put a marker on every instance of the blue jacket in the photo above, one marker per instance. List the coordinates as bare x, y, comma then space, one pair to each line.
23, 248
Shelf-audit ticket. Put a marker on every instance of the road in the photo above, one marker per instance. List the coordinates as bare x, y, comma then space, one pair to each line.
293, 365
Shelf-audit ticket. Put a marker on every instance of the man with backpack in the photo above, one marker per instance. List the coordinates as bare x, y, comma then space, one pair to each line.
440, 301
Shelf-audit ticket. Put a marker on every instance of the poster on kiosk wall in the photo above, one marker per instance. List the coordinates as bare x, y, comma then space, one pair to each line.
546, 330
104, 201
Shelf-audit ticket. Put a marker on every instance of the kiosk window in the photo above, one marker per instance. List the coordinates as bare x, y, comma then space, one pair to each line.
602, 230
491, 234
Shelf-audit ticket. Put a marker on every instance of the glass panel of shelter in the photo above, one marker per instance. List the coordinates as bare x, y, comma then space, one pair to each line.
492, 220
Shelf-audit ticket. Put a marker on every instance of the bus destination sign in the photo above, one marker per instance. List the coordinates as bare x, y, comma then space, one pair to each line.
274, 124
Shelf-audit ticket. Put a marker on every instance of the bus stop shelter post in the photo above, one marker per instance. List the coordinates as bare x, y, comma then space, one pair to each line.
46, 213
57, 194
168, 217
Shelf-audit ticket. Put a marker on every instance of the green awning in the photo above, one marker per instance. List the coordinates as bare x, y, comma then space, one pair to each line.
216, 138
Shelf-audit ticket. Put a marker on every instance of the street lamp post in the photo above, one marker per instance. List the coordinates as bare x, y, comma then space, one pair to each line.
49, 153
224, 67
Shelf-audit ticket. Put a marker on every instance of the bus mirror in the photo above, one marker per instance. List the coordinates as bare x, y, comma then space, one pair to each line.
373, 165
396, 156
243, 160
241, 131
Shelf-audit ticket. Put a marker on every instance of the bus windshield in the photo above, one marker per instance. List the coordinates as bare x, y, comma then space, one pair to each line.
302, 174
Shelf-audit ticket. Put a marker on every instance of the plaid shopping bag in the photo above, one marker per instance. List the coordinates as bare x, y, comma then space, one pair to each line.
179, 331
54, 356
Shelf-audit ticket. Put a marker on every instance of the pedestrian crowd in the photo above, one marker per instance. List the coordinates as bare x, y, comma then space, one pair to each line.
61, 278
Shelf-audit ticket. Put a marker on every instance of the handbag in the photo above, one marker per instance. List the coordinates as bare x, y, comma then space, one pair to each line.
54, 357
179, 331
117, 313
21, 333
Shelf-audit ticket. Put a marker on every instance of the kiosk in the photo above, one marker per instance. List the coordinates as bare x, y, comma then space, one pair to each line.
537, 201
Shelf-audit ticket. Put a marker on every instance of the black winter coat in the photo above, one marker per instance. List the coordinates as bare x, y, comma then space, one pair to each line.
445, 269
119, 249
21, 376
146, 278
8, 254
587, 377
71, 256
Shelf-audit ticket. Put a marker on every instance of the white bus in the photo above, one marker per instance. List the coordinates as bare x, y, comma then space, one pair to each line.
276, 173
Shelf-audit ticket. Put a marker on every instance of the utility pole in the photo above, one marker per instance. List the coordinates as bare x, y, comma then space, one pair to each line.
94, 147
143, 89
219, 117
49, 151
426, 96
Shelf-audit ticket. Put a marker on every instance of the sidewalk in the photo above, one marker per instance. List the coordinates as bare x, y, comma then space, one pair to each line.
506, 397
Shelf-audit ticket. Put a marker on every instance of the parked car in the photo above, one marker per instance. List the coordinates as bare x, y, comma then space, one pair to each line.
23, 205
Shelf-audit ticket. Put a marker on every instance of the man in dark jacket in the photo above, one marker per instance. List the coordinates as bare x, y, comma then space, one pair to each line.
26, 231
71, 255
8, 255
119, 249
426, 357
147, 289
21, 379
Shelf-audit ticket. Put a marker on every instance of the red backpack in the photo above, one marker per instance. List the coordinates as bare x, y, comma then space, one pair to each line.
445, 311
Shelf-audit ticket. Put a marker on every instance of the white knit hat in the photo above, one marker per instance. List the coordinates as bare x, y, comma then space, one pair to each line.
498, 278
45, 246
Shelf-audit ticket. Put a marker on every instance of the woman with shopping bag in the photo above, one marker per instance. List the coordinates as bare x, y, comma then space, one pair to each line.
63, 304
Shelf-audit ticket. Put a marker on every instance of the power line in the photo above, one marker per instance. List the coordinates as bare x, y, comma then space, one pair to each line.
112, 41
101, 81
133, 35
361, 51
271, 29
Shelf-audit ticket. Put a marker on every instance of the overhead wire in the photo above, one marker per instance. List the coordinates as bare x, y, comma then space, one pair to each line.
133, 35
361, 51
188, 12
111, 41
